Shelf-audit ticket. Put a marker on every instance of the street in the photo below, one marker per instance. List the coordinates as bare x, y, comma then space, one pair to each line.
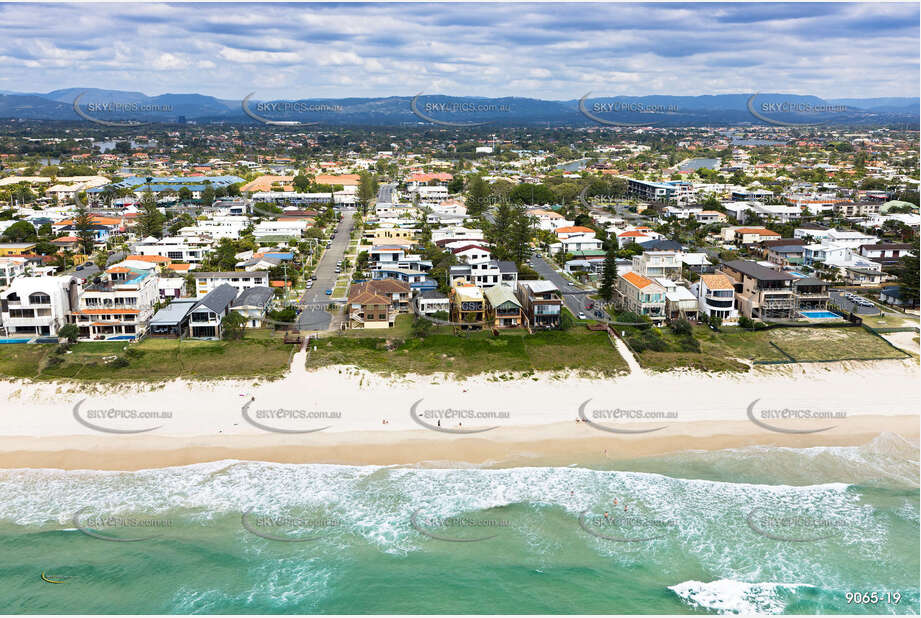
575, 302
314, 315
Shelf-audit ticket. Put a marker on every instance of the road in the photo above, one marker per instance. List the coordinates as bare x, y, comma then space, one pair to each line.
314, 316
385, 193
574, 302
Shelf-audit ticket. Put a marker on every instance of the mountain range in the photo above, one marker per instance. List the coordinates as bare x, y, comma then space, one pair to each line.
119, 106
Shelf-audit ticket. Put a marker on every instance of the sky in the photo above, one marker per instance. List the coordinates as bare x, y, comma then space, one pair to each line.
546, 51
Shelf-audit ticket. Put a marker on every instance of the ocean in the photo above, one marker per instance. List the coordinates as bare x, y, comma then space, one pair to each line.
758, 529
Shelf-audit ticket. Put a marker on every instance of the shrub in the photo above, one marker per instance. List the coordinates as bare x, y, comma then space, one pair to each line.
681, 327
119, 362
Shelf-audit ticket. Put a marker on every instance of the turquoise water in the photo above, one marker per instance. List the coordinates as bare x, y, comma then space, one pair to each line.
715, 530
825, 315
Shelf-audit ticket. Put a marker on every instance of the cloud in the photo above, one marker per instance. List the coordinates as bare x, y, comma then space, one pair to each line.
557, 51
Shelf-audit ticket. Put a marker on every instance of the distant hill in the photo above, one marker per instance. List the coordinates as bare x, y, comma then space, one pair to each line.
434, 109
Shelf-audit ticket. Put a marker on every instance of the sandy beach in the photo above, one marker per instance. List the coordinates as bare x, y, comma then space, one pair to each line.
346, 416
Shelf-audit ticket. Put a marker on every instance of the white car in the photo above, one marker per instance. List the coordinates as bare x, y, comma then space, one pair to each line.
582, 316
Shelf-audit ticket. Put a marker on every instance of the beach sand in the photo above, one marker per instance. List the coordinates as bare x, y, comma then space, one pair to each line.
367, 419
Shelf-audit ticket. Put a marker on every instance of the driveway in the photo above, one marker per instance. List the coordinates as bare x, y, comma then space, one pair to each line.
839, 299
314, 301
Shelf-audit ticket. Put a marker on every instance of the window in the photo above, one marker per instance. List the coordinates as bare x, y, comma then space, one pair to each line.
39, 298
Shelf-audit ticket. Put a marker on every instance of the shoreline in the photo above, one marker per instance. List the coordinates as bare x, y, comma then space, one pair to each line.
560, 444
393, 420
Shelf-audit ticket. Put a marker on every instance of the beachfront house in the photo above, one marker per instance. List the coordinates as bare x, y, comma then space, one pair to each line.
468, 306
253, 304
541, 302
118, 304
206, 316
503, 307
642, 296
37, 305
716, 297
761, 292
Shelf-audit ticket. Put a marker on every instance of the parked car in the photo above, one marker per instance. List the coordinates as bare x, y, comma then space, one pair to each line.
582, 316
313, 277
329, 292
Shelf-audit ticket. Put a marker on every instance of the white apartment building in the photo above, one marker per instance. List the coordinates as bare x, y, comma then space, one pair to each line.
219, 226
37, 305
190, 249
457, 233
118, 306
279, 227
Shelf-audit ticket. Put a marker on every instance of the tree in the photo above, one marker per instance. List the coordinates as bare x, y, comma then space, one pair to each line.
21, 231
302, 183
609, 273
233, 326
477, 196
207, 195
150, 219
185, 194
527, 193
365, 191
70, 332
908, 276
84, 224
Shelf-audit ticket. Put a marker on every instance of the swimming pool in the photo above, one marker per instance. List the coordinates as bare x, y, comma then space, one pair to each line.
121, 338
19, 340
820, 315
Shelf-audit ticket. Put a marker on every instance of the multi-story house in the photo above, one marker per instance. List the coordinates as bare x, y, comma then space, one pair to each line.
117, 305
189, 249
811, 294
38, 305
239, 280
10, 268
886, 253
541, 301
761, 292
575, 238
641, 296
430, 302
206, 317
252, 304
503, 309
652, 264
716, 296
468, 306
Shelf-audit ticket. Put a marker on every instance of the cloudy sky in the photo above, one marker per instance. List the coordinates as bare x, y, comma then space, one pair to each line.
550, 51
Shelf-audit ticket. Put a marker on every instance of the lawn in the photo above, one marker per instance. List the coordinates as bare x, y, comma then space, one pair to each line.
732, 348
260, 355
576, 350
